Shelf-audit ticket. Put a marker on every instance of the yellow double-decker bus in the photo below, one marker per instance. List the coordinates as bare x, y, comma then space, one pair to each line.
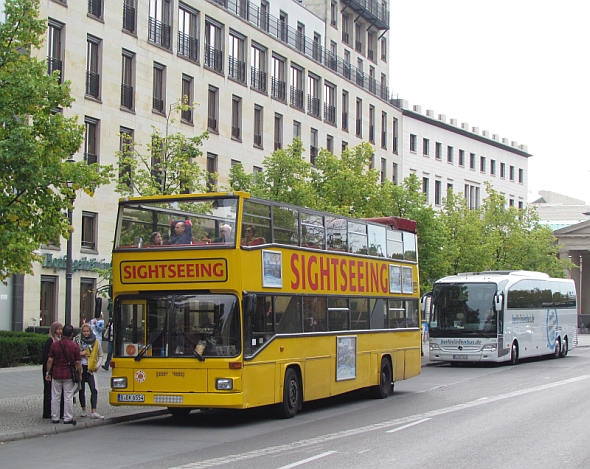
226, 301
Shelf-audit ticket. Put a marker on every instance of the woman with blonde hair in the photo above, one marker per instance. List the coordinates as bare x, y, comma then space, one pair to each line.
92, 357
54, 335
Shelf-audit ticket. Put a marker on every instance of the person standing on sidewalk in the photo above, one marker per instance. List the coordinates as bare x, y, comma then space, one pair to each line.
108, 336
92, 356
97, 326
61, 354
54, 335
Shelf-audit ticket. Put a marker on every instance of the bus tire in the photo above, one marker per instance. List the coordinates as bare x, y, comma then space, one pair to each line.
291, 395
557, 349
514, 354
179, 411
383, 389
564, 348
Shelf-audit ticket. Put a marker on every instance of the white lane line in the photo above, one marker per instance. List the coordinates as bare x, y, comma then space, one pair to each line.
407, 426
377, 426
305, 461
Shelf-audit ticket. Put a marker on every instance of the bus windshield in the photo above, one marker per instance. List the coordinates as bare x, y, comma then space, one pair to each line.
179, 222
463, 308
181, 325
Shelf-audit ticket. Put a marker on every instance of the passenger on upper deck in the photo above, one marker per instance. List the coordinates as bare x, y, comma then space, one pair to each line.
156, 239
249, 237
182, 232
226, 235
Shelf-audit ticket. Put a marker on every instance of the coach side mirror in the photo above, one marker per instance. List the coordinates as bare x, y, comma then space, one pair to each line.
498, 301
249, 304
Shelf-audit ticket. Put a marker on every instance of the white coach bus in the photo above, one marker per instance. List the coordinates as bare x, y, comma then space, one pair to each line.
499, 316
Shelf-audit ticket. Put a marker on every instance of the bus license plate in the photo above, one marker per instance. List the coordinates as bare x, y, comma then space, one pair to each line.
459, 357
131, 398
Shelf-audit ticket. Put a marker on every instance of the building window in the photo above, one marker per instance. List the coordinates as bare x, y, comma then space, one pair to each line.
471, 160
511, 202
493, 167
472, 196
55, 49
87, 303
438, 151
93, 66
313, 146
278, 131
91, 140
297, 87
449, 188
395, 131
213, 109
512, 173
384, 130
296, 129
371, 47
95, 8
359, 117
213, 50
482, 164
384, 49
278, 84
127, 79
462, 158
48, 300
426, 189
129, 16
425, 146
394, 175
372, 124
520, 175
89, 225
502, 170
330, 103
211, 172
345, 110
258, 68
450, 154
237, 60
334, 14
346, 36
437, 192
520, 205
344, 146
283, 26
186, 115
330, 143
383, 170
258, 126
317, 48
358, 37
236, 118
314, 96
159, 23
412, 143
126, 146
159, 91
188, 42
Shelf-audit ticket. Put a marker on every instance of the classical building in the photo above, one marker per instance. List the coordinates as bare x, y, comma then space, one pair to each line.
260, 73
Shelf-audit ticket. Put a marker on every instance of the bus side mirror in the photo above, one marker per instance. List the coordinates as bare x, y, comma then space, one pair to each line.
498, 301
423, 299
249, 304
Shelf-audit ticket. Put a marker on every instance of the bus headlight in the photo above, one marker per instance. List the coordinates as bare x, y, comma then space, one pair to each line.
224, 384
434, 347
118, 383
489, 348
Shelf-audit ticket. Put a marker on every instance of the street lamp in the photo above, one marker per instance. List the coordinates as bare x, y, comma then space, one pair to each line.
69, 265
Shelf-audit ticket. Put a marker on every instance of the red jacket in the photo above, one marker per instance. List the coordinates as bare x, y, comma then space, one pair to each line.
61, 363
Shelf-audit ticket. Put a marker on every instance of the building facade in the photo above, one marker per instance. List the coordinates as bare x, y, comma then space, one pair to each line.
259, 74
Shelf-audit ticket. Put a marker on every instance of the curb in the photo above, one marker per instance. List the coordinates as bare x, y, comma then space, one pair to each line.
81, 425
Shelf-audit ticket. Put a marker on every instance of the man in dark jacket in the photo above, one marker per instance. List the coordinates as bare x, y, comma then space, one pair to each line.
61, 354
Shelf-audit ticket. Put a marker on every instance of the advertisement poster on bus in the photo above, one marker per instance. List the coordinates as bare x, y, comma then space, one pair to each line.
395, 279
407, 283
345, 358
272, 269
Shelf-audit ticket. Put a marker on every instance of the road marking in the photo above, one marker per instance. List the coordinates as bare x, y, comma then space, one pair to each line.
368, 428
305, 461
403, 427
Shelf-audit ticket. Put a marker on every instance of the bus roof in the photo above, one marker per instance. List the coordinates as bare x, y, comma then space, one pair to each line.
399, 223
493, 276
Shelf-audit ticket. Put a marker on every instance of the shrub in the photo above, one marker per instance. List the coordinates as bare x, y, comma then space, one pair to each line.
18, 346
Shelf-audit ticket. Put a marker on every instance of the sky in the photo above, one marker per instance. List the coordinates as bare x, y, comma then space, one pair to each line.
518, 68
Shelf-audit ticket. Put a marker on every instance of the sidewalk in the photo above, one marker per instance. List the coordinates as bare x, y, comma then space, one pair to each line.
21, 403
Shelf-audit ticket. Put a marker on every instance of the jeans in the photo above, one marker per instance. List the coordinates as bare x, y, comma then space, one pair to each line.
107, 363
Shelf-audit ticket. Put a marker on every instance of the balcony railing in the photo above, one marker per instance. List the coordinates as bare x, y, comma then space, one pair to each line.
258, 79
159, 33
92, 84
188, 46
258, 140
278, 89
313, 106
214, 58
212, 123
126, 96
54, 64
329, 113
235, 132
296, 98
237, 69
128, 18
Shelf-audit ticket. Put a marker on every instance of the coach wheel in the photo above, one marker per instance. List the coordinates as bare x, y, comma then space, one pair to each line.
179, 411
557, 349
291, 395
514, 354
383, 389
564, 348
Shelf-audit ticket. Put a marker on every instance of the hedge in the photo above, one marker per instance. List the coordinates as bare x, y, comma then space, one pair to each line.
19, 347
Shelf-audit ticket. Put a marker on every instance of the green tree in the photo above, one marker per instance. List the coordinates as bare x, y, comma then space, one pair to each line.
36, 140
170, 164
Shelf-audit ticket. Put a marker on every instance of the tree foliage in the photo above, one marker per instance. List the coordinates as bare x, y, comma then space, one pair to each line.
36, 140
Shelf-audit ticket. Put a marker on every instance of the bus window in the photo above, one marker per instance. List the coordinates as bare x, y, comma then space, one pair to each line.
410, 247
312, 231
377, 241
336, 234
359, 313
338, 314
314, 314
378, 313
288, 314
412, 313
397, 314
285, 225
395, 246
257, 215
357, 238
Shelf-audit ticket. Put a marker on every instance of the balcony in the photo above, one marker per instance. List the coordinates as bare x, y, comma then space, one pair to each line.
330, 114
214, 58
258, 79
159, 33
313, 106
297, 98
278, 89
237, 69
126, 96
92, 84
188, 46
373, 11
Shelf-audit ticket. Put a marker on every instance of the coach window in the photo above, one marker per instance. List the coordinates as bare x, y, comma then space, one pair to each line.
396, 314
409, 246
336, 234
285, 225
288, 314
395, 247
378, 314
314, 314
359, 313
377, 240
312, 230
338, 314
412, 313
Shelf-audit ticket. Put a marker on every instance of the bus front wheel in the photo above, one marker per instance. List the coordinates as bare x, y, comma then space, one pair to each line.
514, 354
557, 349
383, 389
291, 395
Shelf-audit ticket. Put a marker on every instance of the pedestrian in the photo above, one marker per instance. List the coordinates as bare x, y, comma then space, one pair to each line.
97, 325
64, 355
108, 336
92, 356
54, 335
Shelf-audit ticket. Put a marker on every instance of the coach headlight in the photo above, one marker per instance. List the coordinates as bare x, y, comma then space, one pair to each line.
224, 384
434, 347
118, 383
489, 347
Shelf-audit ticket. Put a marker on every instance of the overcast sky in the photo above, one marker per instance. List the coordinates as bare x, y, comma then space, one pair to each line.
517, 68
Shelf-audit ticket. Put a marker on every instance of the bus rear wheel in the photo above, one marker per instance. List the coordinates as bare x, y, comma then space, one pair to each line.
557, 349
383, 389
291, 395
